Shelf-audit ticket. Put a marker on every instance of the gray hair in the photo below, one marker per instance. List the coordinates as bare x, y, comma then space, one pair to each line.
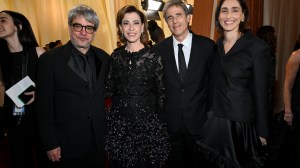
171, 3
87, 12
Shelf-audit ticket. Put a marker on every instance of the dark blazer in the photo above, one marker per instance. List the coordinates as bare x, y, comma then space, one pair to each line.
67, 112
243, 81
187, 99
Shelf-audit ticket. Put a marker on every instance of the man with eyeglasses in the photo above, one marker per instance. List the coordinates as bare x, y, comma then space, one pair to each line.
70, 101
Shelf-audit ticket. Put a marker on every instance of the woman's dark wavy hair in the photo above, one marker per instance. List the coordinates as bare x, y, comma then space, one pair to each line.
156, 33
130, 9
242, 26
267, 33
26, 38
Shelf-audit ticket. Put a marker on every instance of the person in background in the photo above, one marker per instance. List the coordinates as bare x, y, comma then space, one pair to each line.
119, 44
267, 34
18, 56
52, 45
292, 106
187, 60
137, 135
156, 33
238, 124
297, 44
70, 95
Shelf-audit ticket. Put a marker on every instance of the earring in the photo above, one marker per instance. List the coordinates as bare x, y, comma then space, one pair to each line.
243, 20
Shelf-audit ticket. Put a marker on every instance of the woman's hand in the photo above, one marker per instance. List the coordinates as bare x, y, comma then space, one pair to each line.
263, 141
30, 94
288, 117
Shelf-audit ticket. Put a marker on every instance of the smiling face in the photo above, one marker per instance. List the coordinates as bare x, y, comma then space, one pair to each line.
81, 40
177, 22
132, 27
7, 26
230, 15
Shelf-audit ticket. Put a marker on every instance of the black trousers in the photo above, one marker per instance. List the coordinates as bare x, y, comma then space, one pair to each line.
183, 150
25, 149
21, 143
93, 159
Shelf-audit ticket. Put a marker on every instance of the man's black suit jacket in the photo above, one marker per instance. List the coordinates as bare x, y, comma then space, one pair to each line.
66, 109
187, 99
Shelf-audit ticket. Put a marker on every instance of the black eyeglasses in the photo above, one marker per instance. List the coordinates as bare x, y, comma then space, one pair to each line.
78, 27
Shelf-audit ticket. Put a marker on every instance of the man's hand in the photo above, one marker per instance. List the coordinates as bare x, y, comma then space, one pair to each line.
54, 155
263, 141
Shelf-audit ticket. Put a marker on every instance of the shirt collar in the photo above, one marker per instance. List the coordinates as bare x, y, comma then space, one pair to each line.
187, 42
77, 52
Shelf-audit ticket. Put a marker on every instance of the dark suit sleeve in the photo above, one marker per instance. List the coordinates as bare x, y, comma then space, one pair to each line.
262, 65
213, 65
44, 103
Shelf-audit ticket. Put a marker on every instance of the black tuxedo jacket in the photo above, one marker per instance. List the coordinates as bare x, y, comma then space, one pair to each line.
67, 111
187, 100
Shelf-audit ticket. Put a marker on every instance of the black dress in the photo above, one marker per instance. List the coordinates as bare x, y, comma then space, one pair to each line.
230, 137
295, 144
21, 129
137, 136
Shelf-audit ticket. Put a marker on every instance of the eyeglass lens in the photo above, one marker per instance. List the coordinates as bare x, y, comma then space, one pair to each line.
78, 27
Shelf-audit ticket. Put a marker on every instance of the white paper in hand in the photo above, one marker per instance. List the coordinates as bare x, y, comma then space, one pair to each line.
18, 88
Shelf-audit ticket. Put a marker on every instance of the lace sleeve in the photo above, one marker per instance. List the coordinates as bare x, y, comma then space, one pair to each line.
159, 82
109, 86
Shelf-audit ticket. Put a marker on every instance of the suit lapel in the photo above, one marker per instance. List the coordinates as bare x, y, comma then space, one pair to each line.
73, 63
242, 42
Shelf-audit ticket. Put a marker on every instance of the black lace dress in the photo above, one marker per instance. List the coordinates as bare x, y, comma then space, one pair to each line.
137, 136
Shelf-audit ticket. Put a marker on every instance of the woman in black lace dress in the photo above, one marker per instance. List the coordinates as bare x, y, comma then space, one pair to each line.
137, 136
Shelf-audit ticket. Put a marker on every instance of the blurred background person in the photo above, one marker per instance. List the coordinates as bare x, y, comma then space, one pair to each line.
297, 44
19, 55
292, 107
156, 33
267, 34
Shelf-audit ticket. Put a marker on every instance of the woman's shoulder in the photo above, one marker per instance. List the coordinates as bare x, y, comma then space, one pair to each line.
295, 56
296, 53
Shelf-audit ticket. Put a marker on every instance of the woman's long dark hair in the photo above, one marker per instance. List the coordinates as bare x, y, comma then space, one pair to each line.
26, 38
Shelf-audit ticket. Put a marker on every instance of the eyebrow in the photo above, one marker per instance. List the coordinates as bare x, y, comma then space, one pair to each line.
83, 25
133, 20
235, 7
3, 17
